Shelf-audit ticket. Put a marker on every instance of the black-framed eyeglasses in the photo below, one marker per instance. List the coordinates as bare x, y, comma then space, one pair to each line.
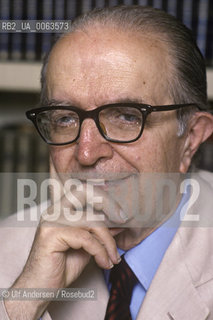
119, 122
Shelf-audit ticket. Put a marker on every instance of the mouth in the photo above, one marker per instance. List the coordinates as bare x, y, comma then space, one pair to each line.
107, 182
106, 176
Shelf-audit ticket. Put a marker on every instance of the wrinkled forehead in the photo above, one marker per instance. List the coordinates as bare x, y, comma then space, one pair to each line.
107, 58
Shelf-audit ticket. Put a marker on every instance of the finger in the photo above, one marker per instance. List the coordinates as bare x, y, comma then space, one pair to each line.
77, 238
103, 235
56, 185
107, 204
63, 187
77, 195
98, 229
69, 208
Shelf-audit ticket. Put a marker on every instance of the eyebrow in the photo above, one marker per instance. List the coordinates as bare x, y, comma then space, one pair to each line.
54, 102
131, 100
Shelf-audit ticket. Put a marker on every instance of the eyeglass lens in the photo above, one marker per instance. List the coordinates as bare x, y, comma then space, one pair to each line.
121, 124
117, 123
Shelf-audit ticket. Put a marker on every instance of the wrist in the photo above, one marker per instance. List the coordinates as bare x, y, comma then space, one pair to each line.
25, 309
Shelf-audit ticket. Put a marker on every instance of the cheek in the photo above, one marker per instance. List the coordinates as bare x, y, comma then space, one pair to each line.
149, 159
154, 153
61, 157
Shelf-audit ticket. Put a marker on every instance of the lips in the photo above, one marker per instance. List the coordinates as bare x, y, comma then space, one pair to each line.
108, 177
104, 181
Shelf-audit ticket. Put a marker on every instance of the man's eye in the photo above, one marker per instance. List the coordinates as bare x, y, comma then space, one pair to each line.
65, 121
127, 117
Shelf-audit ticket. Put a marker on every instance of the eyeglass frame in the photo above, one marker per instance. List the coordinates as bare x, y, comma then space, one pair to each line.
145, 110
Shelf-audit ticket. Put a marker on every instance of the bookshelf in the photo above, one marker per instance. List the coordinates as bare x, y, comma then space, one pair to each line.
25, 76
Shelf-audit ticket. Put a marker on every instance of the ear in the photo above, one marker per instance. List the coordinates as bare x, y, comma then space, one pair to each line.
200, 128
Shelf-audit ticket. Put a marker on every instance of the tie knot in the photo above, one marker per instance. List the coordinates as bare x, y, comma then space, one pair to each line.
123, 279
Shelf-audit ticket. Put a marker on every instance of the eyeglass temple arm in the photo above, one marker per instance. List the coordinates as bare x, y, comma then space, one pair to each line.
173, 107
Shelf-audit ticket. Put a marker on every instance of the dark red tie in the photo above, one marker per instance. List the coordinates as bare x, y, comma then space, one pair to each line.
123, 281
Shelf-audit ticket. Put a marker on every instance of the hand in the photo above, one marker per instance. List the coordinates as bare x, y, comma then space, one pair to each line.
62, 249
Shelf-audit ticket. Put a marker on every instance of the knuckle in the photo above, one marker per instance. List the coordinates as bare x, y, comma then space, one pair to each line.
46, 231
86, 236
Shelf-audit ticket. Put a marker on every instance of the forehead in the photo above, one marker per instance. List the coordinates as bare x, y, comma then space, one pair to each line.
103, 65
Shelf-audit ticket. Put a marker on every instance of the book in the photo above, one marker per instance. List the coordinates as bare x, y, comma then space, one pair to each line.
30, 38
4, 37
16, 38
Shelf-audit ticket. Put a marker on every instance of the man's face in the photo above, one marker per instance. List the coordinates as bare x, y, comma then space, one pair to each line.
94, 68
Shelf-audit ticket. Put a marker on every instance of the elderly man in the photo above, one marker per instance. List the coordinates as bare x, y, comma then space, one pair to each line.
123, 95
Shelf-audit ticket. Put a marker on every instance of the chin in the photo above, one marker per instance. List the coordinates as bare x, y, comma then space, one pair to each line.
129, 238
124, 241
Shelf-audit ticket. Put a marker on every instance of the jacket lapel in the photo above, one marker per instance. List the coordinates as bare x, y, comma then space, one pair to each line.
172, 294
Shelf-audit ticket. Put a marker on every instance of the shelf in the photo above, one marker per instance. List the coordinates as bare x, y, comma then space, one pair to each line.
20, 76
25, 76
210, 83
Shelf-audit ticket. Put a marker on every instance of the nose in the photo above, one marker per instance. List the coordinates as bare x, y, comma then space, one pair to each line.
91, 146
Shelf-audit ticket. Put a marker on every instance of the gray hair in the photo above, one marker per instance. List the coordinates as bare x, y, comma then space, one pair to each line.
187, 80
